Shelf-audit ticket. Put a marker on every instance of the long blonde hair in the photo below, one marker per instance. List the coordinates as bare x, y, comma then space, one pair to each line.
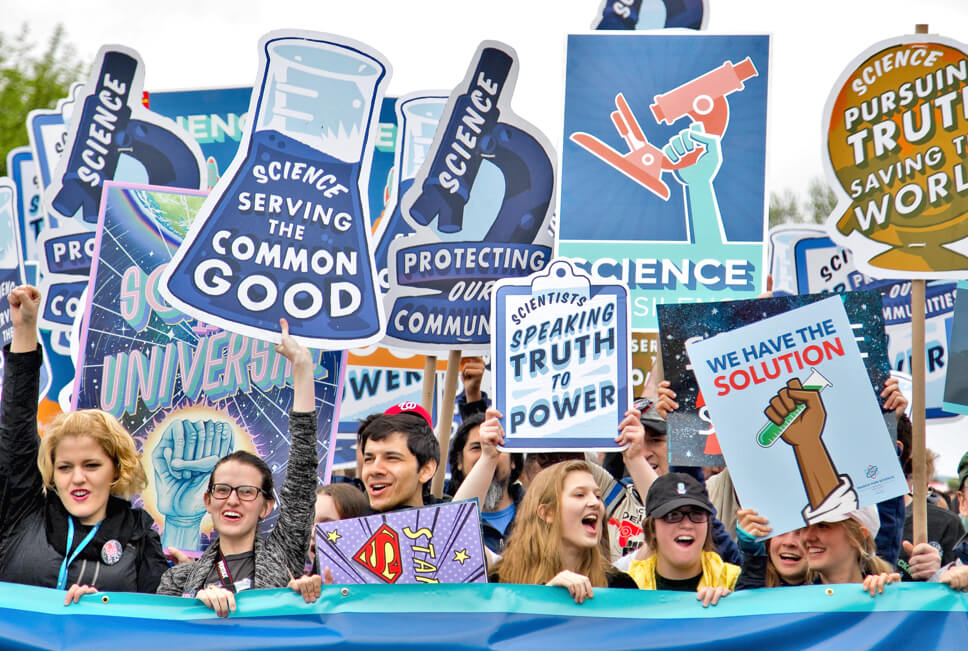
533, 554
863, 543
111, 436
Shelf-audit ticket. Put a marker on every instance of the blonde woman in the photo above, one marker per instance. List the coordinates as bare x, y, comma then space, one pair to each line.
64, 522
558, 537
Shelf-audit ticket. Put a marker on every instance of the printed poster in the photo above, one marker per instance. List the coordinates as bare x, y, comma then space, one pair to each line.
663, 165
693, 439
561, 362
431, 544
799, 423
286, 231
169, 377
479, 209
895, 156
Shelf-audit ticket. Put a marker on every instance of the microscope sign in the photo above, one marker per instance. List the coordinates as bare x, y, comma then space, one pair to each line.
479, 207
895, 126
110, 125
285, 232
820, 420
698, 118
561, 359
432, 544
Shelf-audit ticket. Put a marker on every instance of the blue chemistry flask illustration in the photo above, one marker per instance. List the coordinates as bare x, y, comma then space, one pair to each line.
285, 232
418, 116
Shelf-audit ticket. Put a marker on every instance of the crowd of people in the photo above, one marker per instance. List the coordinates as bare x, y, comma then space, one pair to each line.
568, 520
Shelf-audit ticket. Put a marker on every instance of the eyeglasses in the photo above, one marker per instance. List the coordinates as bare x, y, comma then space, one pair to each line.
697, 517
245, 493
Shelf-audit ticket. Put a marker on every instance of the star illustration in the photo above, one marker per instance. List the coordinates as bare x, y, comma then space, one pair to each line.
333, 536
461, 555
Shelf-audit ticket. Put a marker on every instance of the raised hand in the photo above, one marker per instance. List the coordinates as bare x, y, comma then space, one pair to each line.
183, 460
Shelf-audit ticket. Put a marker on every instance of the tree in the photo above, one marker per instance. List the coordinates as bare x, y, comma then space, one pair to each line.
787, 208
30, 81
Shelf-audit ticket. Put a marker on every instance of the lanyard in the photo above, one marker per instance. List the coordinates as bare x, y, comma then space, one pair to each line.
223, 572
62, 575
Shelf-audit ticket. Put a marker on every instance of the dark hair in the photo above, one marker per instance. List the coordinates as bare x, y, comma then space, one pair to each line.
349, 501
256, 462
421, 440
459, 442
904, 437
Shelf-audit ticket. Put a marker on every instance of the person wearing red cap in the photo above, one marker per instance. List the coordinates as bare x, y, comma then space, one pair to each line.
400, 456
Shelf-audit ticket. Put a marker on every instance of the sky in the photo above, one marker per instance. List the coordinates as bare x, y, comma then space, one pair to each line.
195, 44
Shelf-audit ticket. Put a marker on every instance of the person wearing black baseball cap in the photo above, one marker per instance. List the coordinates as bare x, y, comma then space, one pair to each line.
679, 540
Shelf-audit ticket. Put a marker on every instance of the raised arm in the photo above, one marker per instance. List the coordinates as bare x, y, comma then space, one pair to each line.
479, 478
22, 483
298, 495
632, 435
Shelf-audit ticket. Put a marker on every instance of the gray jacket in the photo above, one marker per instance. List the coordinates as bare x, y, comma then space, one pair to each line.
283, 551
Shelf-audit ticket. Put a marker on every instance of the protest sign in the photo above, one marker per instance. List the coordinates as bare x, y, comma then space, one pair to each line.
895, 158
645, 353
480, 209
431, 544
417, 115
29, 206
705, 98
692, 436
215, 118
285, 233
560, 356
47, 130
796, 380
163, 373
820, 265
11, 261
652, 14
956, 372
112, 136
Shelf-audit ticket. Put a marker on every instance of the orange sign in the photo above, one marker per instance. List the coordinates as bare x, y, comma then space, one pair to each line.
895, 126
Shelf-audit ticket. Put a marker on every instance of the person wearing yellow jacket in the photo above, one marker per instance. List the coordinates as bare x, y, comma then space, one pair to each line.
679, 542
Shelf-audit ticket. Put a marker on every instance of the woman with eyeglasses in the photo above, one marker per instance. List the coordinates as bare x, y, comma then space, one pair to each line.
679, 542
240, 494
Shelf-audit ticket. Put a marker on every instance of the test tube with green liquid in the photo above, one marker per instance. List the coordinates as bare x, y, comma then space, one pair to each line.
770, 432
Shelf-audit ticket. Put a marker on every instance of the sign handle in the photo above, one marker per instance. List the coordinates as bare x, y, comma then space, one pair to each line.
429, 382
445, 419
918, 454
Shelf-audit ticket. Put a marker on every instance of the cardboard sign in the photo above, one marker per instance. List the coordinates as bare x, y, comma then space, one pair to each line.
431, 544
285, 233
821, 266
47, 129
170, 378
417, 116
111, 136
29, 206
798, 420
663, 173
894, 127
652, 14
11, 261
480, 209
561, 360
645, 352
956, 373
692, 436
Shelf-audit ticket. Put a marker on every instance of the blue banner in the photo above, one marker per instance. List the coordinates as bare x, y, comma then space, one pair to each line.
908, 616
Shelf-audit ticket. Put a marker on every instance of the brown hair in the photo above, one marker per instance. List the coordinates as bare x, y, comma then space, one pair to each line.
349, 501
533, 554
111, 436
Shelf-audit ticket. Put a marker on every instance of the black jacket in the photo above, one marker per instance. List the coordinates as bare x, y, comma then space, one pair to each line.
33, 526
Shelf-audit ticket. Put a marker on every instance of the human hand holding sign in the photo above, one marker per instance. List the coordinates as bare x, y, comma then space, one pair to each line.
828, 494
183, 460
